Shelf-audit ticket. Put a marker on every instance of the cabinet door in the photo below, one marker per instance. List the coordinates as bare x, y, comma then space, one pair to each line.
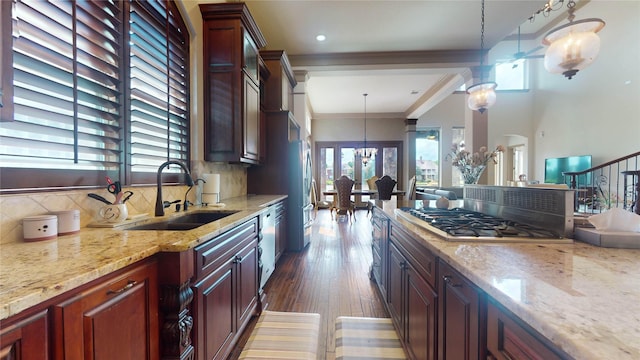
117, 319
251, 119
379, 243
214, 311
422, 312
462, 332
281, 229
395, 288
247, 285
27, 339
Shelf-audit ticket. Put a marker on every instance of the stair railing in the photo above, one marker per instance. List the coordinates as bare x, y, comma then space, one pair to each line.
615, 183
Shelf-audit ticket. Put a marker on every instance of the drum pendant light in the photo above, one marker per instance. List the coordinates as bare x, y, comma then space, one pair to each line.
482, 95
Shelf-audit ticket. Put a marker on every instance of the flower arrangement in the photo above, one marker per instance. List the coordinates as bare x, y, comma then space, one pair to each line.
472, 165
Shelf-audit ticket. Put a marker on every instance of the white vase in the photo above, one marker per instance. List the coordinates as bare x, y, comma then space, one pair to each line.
442, 203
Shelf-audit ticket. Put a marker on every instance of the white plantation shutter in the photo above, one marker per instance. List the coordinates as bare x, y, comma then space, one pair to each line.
158, 63
66, 87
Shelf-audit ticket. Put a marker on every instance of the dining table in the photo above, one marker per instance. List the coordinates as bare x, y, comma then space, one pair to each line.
363, 192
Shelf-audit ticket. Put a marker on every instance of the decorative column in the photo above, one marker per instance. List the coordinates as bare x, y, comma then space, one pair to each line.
175, 273
410, 152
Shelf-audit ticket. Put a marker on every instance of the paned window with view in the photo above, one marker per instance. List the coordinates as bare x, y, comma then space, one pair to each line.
457, 137
428, 157
512, 75
334, 159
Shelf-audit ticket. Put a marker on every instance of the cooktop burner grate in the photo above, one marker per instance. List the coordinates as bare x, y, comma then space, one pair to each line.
461, 224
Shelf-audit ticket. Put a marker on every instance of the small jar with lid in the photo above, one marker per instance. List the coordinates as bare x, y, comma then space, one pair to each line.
68, 221
40, 227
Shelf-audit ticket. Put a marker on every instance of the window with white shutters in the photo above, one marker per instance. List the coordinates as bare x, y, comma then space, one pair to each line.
96, 88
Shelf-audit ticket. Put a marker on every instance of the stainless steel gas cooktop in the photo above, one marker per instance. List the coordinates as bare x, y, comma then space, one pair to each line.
459, 224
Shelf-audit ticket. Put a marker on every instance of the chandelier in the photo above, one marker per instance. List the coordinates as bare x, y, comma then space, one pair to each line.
572, 46
365, 153
482, 95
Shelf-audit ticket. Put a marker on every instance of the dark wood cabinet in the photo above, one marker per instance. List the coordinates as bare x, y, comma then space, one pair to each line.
461, 319
279, 86
214, 305
395, 295
225, 289
231, 83
251, 120
25, 339
271, 177
115, 319
508, 338
422, 310
281, 229
379, 244
411, 297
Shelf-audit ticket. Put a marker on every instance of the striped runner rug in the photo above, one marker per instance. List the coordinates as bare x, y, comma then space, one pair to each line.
359, 338
283, 335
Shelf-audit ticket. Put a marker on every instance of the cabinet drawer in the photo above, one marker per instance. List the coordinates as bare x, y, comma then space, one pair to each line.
509, 338
423, 260
216, 251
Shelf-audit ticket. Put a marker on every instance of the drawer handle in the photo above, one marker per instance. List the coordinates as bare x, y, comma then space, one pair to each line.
448, 280
129, 285
237, 259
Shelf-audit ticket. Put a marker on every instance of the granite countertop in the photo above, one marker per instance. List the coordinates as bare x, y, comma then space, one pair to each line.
585, 299
33, 272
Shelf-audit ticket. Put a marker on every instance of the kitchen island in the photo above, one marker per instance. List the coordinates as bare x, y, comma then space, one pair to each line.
582, 299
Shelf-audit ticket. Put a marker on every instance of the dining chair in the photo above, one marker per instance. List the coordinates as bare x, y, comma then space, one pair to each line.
385, 187
412, 188
371, 183
343, 205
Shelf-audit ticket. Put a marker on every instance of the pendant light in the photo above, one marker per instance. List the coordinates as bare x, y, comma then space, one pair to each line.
365, 154
572, 46
482, 95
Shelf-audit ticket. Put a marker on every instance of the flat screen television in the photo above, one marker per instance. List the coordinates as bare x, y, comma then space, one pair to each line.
554, 167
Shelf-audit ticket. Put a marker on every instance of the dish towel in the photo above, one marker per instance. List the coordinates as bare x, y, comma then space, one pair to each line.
283, 335
367, 338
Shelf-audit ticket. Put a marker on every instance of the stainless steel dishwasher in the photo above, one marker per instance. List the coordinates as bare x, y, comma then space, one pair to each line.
268, 244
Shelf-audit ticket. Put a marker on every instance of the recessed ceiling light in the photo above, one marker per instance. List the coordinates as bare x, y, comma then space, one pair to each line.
321, 37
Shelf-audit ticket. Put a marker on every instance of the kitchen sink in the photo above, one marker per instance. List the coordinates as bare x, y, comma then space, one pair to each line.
185, 222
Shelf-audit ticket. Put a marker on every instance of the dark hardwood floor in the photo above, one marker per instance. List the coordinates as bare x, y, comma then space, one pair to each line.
329, 277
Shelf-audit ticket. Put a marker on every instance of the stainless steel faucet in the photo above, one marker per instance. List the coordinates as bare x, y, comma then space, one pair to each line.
189, 182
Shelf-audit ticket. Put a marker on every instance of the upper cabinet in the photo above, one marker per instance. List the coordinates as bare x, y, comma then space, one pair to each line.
231, 83
279, 86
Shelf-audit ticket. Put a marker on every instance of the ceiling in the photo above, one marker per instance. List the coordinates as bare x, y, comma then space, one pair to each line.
407, 55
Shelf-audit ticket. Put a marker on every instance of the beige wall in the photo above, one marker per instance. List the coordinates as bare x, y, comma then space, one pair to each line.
340, 128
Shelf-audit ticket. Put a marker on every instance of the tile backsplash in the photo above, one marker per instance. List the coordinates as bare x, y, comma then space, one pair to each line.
13, 208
